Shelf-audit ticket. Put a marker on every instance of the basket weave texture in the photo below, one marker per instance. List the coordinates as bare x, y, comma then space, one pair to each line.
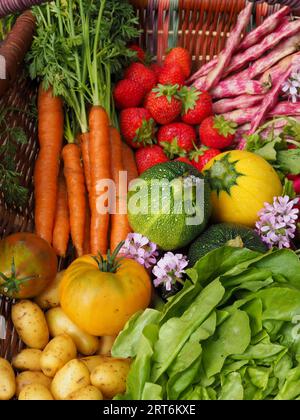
201, 26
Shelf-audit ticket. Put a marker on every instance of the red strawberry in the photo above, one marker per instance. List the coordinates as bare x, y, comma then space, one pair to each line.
201, 157
296, 182
128, 94
171, 74
164, 104
217, 132
149, 156
137, 127
196, 105
177, 139
139, 73
156, 68
141, 55
182, 57
184, 159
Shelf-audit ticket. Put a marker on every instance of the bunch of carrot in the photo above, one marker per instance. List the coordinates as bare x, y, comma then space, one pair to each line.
75, 200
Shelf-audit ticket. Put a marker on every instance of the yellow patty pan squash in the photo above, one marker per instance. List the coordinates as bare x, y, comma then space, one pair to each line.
241, 182
100, 294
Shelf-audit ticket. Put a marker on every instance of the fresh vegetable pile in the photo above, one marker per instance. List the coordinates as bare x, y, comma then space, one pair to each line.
185, 222
230, 334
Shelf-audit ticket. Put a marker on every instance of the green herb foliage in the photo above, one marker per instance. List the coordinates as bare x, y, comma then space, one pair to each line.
275, 148
11, 139
78, 46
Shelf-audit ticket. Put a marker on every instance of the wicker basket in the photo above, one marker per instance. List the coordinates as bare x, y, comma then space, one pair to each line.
201, 26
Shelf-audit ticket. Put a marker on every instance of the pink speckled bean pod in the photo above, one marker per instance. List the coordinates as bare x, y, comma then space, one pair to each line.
215, 75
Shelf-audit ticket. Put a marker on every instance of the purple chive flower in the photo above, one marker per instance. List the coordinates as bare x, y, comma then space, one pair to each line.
169, 270
278, 222
292, 87
137, 247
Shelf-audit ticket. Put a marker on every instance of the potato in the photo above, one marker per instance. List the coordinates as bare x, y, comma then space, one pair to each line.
28, 359
59, 323
30, 323
49, 298
59, 351
110, 377
72, 377
89, 393
7, 380
35, 392
106, 344
29, 378
92, 362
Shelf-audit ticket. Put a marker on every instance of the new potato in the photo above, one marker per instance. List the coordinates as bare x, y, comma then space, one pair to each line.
89, 393
60, 350
35, 392
106, 344
7, 380
72, 377
28, 359
29, 378
59, 324
92, 362
49, 298
30, 323
110, 376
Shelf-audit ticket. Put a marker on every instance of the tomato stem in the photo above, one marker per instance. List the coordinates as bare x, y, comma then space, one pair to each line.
111, 263
11, 285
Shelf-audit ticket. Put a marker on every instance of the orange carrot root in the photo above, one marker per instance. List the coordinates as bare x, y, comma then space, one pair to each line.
100, 170
129, 163
85, 149
61, 232
119, 222
76, 194
50, 132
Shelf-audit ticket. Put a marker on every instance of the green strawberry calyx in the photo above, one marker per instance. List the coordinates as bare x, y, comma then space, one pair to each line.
145, 133
169, 91
173, 149
223, 175
198, 152
189, 97
224, 127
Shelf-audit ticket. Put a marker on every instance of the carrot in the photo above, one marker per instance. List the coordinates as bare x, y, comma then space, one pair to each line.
85, 149
61, 230
129, 163
76, 194
119, 221
50, 132
100, 171
87, 236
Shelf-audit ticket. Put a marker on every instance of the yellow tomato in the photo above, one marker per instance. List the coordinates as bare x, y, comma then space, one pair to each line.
241, 183
101, 299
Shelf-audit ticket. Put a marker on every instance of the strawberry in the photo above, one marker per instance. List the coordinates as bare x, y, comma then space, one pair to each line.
184, 159
201, 157
141, 74
196, 105
171, 74
137, 127
149, 156
182, 57
128, 94
177, 139
140, 53
217, 132
296, 182
156, 68
164, 104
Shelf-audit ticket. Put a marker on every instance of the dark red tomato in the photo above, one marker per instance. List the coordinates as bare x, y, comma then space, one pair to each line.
27, 265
